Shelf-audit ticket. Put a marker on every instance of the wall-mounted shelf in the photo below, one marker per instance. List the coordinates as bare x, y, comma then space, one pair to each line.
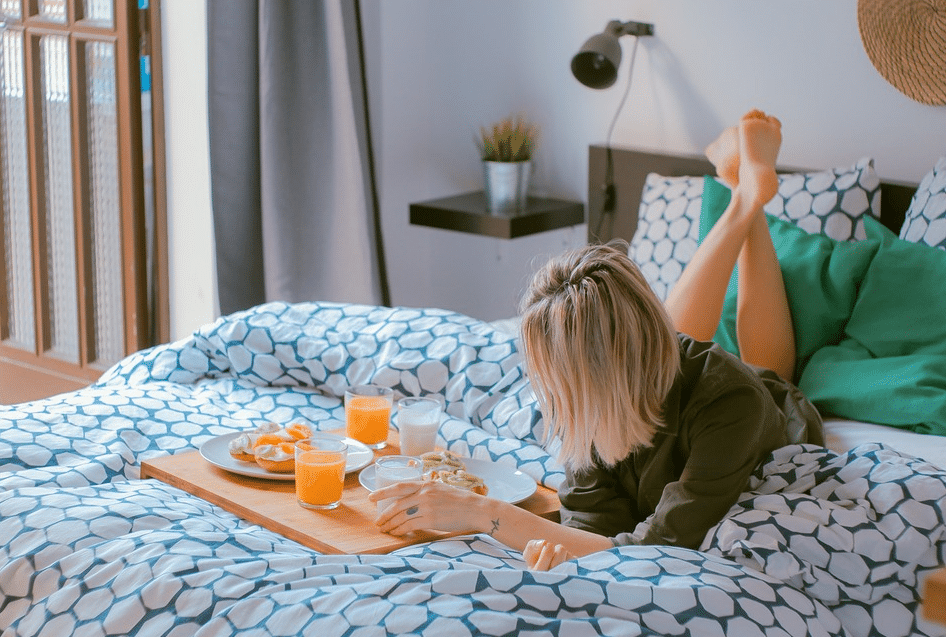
467, 213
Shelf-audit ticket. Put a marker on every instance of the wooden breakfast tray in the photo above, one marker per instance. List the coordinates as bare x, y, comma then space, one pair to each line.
272, 504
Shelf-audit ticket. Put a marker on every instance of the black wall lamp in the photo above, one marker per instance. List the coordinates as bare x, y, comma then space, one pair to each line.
596, 63
596, 66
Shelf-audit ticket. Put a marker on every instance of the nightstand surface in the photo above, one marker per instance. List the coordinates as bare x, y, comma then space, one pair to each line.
467, 213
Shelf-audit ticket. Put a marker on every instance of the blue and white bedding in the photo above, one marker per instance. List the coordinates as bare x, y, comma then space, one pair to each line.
822, 543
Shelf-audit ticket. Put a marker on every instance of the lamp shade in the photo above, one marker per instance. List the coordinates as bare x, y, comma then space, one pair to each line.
596, 63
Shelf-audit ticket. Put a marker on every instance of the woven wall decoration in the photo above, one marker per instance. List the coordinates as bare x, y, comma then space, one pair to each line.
906, 42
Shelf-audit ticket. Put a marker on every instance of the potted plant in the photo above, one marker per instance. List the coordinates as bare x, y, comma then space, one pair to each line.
506, 149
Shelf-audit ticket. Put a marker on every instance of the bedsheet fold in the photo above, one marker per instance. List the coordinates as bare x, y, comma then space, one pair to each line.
821, 544
282, 362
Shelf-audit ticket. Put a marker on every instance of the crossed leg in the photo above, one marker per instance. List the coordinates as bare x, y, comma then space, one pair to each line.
744, 157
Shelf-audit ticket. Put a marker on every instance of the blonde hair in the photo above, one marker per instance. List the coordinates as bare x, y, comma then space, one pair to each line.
601, 353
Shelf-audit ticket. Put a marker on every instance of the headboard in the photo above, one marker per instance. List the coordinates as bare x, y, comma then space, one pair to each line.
630, 167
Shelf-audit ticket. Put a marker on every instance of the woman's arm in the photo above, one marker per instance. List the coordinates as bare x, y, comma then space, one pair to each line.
440, 507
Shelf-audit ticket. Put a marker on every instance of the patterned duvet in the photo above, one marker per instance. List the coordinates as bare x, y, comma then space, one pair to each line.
821, 543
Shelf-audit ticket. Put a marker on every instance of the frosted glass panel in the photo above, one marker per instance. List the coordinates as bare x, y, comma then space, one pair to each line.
59, 212
106, 240
100, 11
10, 9
54, 10
17, 238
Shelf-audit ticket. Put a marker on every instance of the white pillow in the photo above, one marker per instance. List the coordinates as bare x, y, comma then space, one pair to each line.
925, 220
831, 202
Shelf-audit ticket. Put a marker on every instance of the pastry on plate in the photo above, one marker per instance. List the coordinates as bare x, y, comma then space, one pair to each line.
278, 458
459, 478
297, 431
244, 446
441, 461
241, 447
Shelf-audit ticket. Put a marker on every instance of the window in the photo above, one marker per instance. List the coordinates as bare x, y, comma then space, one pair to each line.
81, 251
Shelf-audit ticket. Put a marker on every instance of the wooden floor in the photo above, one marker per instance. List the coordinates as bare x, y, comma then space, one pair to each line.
20, 383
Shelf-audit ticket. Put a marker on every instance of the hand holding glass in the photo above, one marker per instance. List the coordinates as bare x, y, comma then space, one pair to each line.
320, 471
390, 470
368, 414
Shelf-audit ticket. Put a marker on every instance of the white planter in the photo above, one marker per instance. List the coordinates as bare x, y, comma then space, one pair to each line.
506, 185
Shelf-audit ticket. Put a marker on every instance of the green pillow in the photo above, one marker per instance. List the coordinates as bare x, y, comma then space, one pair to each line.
821, 278
891, 366
908, 392
901, 308
869, 318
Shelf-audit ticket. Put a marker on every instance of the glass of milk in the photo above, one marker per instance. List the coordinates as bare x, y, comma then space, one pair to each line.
418, 420
390, 470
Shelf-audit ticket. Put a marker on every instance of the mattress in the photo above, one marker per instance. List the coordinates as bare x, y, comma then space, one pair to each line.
842, 435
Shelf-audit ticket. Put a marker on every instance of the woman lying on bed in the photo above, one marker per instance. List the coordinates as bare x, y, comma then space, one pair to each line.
659, 428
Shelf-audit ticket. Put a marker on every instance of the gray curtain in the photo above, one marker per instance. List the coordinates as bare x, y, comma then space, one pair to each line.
294, 199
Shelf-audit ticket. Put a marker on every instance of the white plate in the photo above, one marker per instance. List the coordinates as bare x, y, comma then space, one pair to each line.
216, 451
504, 482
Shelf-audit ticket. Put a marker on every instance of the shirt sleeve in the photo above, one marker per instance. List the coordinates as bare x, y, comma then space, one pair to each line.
594, 500
728, 439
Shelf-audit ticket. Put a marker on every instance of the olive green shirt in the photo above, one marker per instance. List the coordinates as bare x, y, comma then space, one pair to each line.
722, 417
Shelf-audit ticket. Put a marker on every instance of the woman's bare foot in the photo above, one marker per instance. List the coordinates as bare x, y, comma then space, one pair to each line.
723, 153
760, 137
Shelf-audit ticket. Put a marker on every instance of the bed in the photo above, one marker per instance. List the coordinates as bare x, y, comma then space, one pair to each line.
825, 541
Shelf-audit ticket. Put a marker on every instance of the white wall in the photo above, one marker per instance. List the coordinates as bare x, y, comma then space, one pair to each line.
193, 289
439, 69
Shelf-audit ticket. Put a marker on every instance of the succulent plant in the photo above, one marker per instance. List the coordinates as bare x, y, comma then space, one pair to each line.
508, 140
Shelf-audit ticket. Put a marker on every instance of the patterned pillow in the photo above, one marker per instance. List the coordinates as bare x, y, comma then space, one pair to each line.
830, 202
668, 229
926, 218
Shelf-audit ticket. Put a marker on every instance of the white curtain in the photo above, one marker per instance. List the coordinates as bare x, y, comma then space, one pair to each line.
294, 199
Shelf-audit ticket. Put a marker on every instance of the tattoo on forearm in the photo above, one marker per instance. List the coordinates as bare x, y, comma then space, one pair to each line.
495, 527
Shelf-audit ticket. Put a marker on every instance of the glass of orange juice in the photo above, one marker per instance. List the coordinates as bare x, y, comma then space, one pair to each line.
320, 471
368, 414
